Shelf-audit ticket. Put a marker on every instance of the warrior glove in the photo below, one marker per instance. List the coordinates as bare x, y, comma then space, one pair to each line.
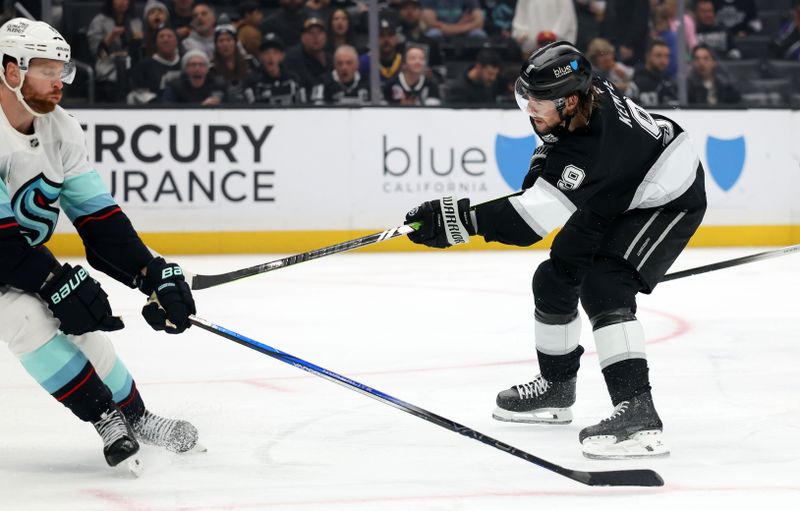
445, 222
536, 166
170, 301
78, 302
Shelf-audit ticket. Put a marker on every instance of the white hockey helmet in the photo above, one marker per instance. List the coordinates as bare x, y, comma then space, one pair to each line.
25, 40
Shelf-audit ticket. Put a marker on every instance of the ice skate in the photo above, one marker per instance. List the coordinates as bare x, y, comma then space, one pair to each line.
173, 434
119, 443
633, 430
537, 402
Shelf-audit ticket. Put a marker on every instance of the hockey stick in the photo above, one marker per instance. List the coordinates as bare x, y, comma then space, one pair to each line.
639, 477
732, 262
197, 281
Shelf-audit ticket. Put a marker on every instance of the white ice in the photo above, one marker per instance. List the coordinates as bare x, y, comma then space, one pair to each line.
444, 331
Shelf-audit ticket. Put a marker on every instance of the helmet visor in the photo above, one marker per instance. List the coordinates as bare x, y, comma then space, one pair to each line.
53, 72
532, 106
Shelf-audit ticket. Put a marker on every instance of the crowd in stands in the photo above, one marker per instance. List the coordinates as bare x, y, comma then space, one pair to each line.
431, 52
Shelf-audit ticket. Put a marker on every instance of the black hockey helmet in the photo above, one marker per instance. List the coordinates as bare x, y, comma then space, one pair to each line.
555, 71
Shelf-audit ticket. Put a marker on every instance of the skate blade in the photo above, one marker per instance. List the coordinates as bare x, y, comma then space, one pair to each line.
198, 448
540, 416
131, 467
644, 444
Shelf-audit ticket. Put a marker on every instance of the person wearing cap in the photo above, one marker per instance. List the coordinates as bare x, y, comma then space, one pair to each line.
627, 190
453, 18
389, 55
531, 18
412, 86
272, 84
229, 64
194, 85
288, 22
343, 85
151, 75
478, 84
248, 27
154, 16
115, 36
309, 59
204, 19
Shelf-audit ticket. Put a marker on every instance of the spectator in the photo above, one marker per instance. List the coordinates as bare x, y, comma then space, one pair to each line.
479, 83
601, 54
319, 8
706, 85
309, 59
710, 33
115, 36
689, 29
341, 30
448, 18
272, 84
202, 35
151, 75
662, 30
533, 17
229, 64
155, 15
180, 15
626, 26
343, 85
287, 22
655, 89
589, 14
194, 85
544, 38
249, 26
739, 17
412, 86
389, 56
413, 31
499, 15
786, 44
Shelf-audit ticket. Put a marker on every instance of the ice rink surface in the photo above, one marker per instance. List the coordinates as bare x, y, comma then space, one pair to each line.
444, 331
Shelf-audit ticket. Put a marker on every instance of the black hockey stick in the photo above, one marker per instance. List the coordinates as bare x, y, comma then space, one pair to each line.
639, 477
197, 281
732, 262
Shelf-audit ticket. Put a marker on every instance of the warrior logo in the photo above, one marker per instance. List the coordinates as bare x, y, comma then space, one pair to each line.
34, 211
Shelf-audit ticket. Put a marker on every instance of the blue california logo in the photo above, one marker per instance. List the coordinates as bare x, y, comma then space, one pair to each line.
725, 159
513, 156
573, 64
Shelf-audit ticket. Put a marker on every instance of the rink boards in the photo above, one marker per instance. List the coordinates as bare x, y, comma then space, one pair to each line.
228, 181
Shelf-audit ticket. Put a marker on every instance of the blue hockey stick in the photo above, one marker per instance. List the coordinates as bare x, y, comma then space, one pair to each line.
602, 478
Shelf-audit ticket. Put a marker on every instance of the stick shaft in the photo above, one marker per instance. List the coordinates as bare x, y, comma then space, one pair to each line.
732, 262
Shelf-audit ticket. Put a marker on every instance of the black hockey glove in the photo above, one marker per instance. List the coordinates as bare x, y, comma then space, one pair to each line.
445, 222
536, 166
78, 302
170, 301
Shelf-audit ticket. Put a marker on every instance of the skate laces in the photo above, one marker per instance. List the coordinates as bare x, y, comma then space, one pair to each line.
154, 428
618, 411
111, 427
532, 389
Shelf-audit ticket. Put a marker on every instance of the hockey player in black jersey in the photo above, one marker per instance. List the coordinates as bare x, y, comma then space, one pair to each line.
627, 190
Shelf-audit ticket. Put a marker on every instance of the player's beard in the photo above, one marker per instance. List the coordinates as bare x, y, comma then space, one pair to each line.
40, 103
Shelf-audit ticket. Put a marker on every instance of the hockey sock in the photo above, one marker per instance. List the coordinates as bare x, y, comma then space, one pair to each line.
626, 379
124, 391
560, 367
64, 371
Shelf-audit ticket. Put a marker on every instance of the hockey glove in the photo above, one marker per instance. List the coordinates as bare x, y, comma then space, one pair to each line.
170, 301
78, 302
536, 166
445, 222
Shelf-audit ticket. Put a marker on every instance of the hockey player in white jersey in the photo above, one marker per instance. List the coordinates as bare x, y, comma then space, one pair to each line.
53, 315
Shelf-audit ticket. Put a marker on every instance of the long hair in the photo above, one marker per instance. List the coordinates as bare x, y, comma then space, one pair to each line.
349, 36
108, 10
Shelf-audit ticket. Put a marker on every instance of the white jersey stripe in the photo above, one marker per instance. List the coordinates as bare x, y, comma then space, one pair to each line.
543, 207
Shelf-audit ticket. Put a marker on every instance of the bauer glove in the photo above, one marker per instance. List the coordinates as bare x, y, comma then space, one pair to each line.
78, 302
445, 222
169, 302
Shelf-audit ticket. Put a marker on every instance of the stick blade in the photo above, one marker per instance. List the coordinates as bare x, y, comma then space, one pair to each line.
643, 477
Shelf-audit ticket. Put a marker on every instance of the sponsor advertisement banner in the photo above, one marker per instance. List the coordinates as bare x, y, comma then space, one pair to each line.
361, 169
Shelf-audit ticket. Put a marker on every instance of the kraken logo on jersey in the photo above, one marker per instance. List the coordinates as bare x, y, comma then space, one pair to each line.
512, 156
33, 209
725, 160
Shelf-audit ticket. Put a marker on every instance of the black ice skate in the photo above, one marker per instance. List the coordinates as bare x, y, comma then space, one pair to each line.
119, 443
537, 402
173, 434
633, 430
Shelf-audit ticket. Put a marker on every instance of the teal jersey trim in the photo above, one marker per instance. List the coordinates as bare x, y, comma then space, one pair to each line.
84, 194
55, 364
119, 381
5, 201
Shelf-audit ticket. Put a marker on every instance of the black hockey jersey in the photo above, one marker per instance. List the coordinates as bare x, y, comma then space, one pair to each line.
624, 159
